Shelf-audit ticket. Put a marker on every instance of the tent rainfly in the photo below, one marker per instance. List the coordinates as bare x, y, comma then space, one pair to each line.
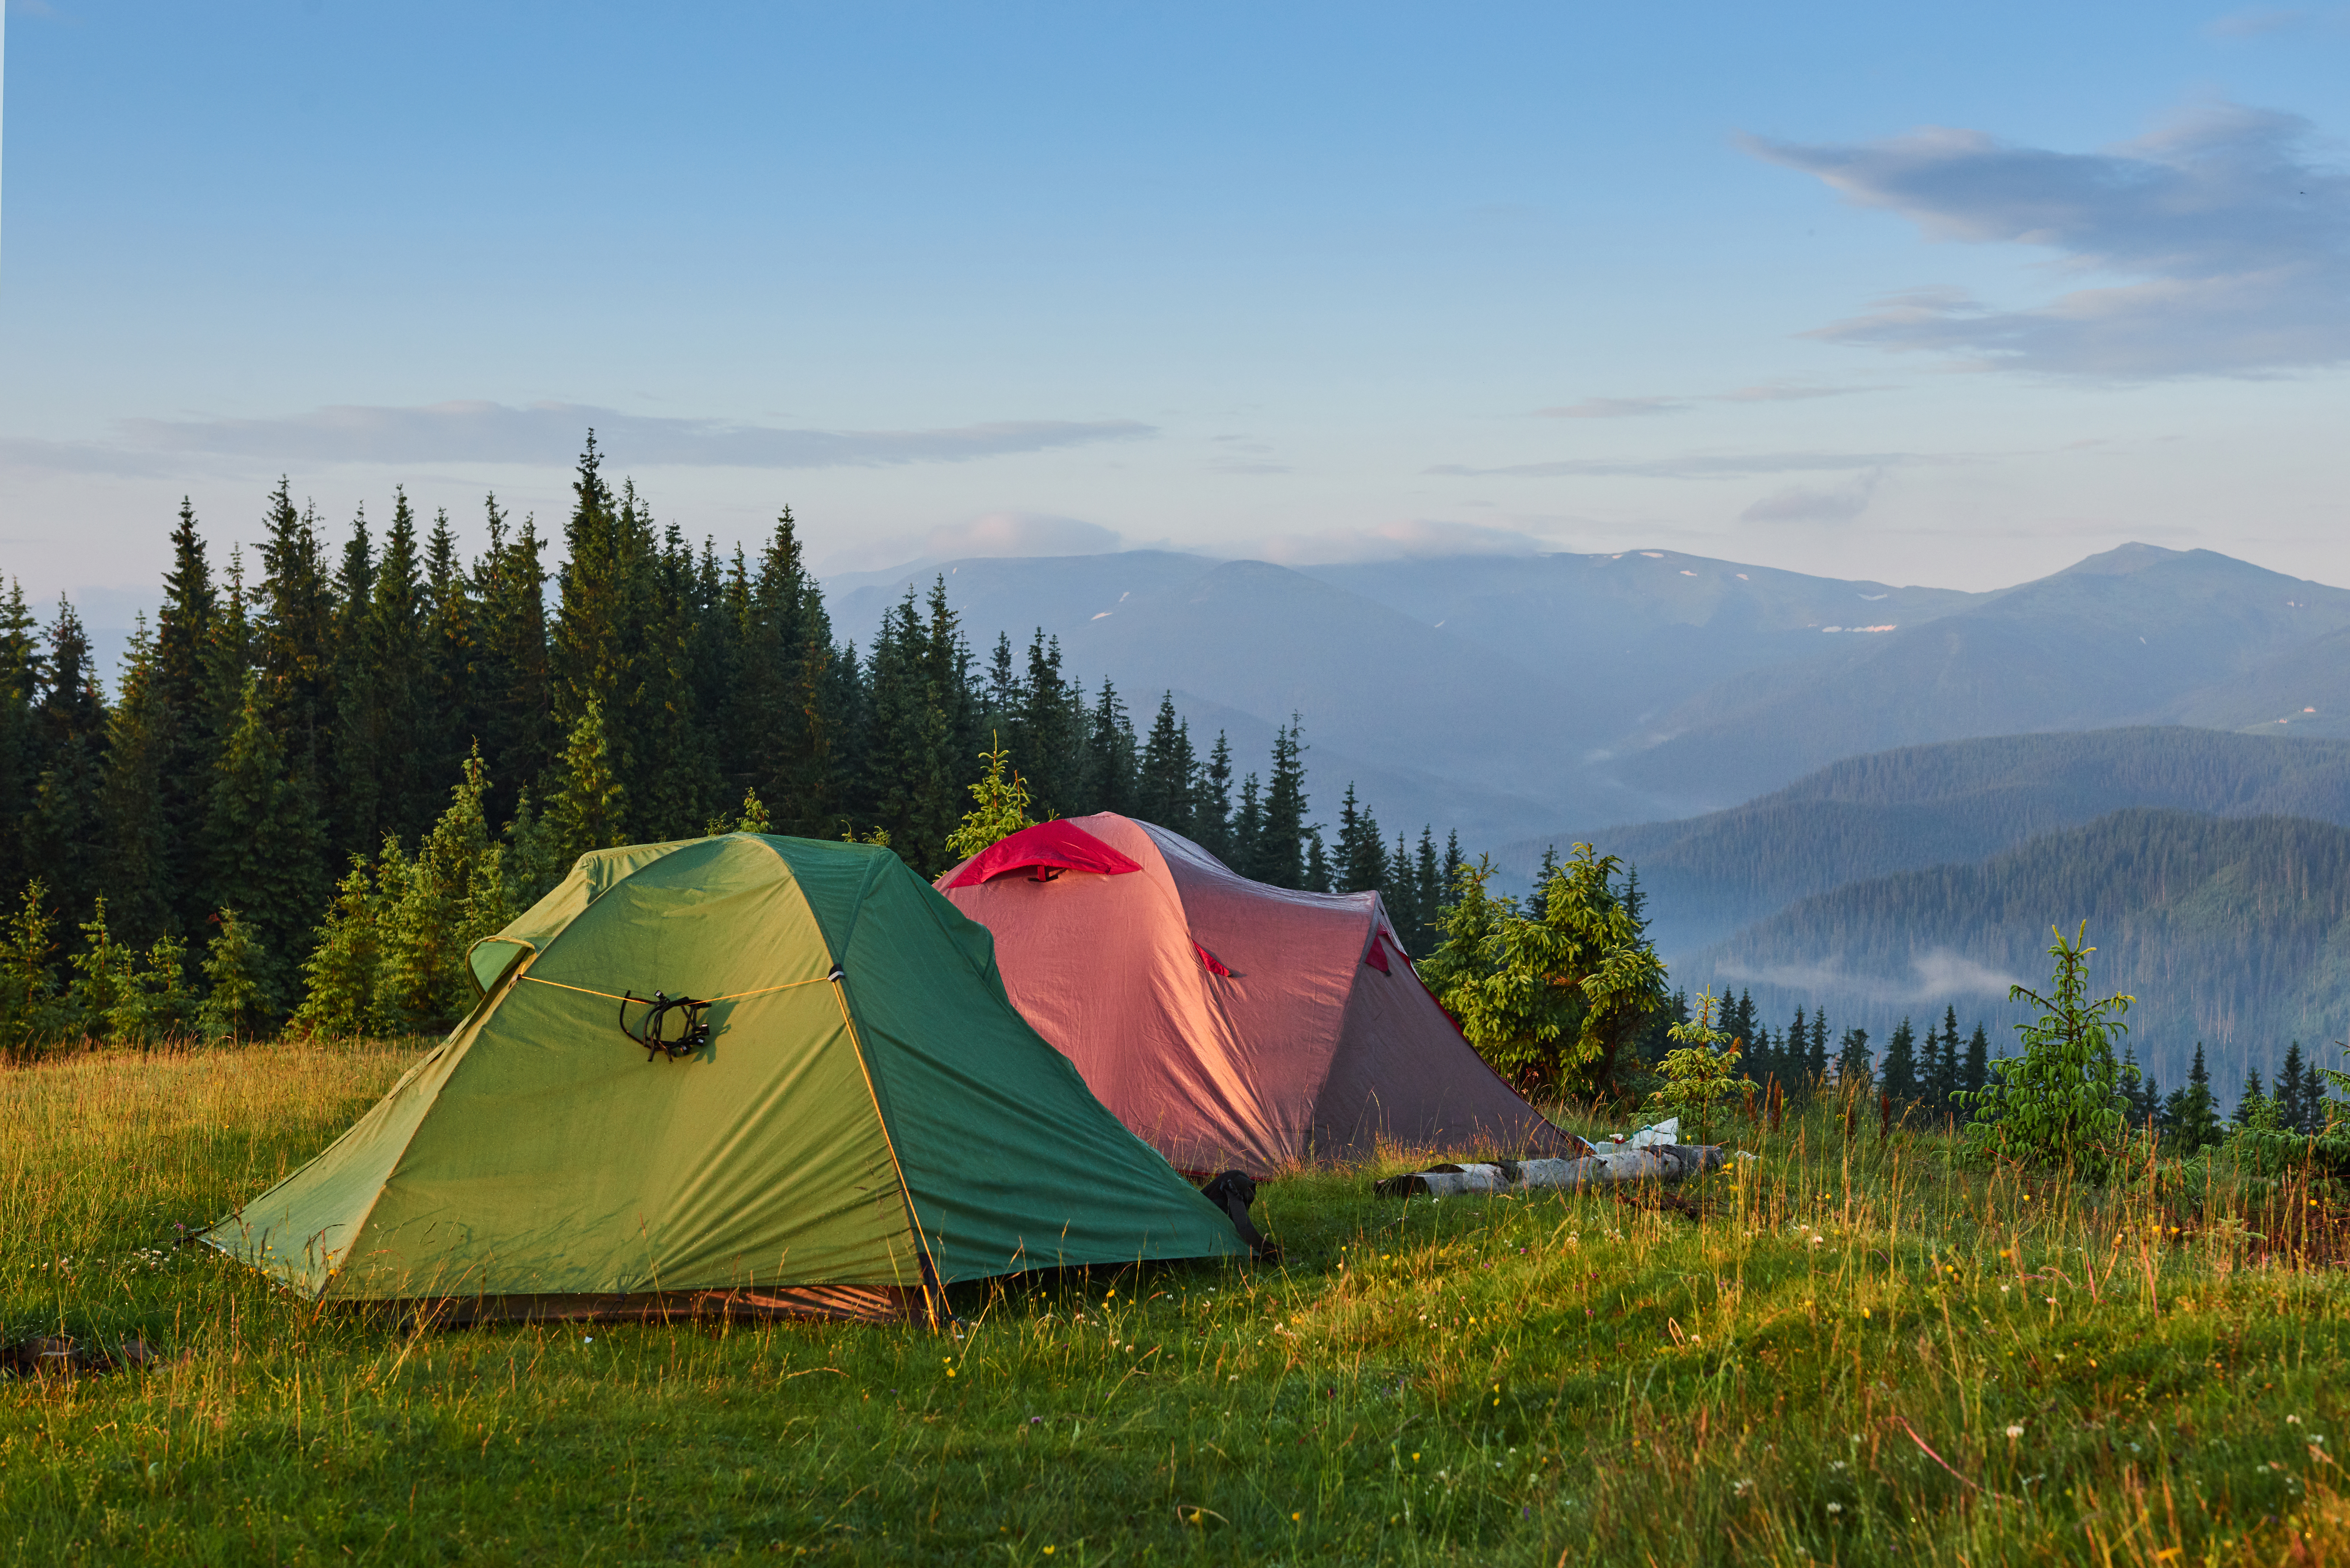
1227, 1021
856, 1118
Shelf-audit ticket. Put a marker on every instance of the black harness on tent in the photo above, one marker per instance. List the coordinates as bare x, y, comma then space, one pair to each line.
688, 1016
1232, 1192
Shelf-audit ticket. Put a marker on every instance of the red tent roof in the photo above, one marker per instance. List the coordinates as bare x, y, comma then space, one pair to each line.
1056, 846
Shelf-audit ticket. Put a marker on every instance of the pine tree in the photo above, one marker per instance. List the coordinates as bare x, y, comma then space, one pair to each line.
182, 715
2293, 1110
1213, 812
1947, 1076
2190, 1116
139, 834
268, 842
239, 1001
1816, 1056
1428, 895
1402, 891
451, 723
1110, 755
33, 1011
338, 977
1796, 1062
1280, 845
511, 682
21, 665
589, 810
1900, 1076
920, 707
1165, 790
1316, 875
1248, 828
1454, 864
1853, 1062
999, 808
432, 909
1049, 735
294, 637
1362, 864
2254, 1107
1977, 1071
69, 731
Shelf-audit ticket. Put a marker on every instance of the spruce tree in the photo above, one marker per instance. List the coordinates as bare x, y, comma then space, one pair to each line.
2292, 1110
1853, 1062
268, 843
20, 681
590, 809
2190, 1116
451, 723
1816, 1056
1248, 828
1110, 755
294, 634
1212, 814
239, 1001
1165, 790
1977, 1071
183, 716
138, 833
1317, 879
338, 977
33, 1010
2254, 1107
1900, 1076
1280, 846
1049, 735
70, 735
510, 681
1362, 863
1454, 864
1428, 895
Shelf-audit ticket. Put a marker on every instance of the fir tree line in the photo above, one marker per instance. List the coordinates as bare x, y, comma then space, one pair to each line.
321, 777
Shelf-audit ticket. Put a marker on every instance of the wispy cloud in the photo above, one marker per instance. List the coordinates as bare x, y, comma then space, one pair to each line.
543, 434
1405, 540
2257, 22
1635, 407
1616, 407
1019, 534
1936, 975
2237, 236
551, 433
1696, 465
1808, 503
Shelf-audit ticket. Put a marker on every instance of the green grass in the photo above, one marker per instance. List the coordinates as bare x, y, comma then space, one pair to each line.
1522, 1380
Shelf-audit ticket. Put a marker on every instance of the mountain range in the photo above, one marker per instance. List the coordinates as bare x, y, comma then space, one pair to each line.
1838, 793
1513, 697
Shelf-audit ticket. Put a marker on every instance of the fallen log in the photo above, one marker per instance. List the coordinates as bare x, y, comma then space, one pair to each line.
1608, 1165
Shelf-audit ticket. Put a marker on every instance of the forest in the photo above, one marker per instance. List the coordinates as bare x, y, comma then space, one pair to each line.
324, 770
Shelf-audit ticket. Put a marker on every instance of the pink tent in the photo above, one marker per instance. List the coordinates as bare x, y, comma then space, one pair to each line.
1229, 1022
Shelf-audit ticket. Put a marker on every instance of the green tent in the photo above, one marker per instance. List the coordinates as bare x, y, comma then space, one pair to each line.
869, 1121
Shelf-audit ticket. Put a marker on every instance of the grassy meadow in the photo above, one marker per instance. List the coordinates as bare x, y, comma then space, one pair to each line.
1853, 1353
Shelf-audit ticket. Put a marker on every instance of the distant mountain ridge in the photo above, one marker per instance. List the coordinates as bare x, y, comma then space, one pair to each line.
1506, 695
1956, 801
2234, 932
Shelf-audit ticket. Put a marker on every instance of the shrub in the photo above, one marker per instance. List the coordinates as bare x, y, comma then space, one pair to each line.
2065, 1100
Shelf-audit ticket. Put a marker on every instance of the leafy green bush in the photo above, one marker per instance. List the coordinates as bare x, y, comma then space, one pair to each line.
2066, 1101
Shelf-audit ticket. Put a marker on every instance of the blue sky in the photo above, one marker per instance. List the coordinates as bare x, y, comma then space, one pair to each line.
1945, 294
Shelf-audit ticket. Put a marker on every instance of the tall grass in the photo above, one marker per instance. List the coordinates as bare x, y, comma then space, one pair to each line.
1859, 1353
